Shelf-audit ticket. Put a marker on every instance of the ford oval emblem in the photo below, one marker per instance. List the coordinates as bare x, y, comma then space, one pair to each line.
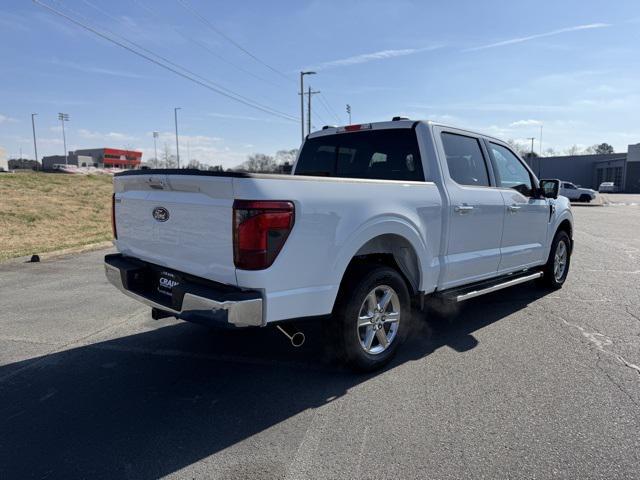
161, 214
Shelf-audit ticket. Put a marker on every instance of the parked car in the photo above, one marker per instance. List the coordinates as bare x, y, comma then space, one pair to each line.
607, 187
374, 219
576, 193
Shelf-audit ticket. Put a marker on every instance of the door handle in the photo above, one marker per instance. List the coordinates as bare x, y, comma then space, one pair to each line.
462, 209
513, 208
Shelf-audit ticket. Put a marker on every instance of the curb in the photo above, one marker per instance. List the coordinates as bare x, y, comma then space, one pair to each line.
61, 253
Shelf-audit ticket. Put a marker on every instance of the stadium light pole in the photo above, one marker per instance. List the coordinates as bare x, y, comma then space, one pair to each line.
155, 144
349, 112
175, 115
302, 74
35, 145
64, 117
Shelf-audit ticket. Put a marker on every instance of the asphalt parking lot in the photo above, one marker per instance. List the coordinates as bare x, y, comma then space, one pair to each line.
522, 383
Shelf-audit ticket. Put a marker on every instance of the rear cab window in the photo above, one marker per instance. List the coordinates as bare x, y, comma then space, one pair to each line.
390, 154
465, 160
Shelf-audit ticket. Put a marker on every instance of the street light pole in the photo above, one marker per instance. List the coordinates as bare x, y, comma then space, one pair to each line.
155, 145
35, 145
175, 114
64, 117
302, 74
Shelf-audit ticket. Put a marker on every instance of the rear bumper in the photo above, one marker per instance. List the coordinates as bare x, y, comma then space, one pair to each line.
194, 300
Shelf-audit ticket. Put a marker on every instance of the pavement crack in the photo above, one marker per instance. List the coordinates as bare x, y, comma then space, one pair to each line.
30, 363
632, 314
600, 341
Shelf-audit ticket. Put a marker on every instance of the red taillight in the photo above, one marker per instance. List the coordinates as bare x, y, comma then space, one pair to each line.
113, 216
260, 229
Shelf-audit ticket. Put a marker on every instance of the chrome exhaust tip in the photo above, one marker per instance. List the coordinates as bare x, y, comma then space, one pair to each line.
296, 338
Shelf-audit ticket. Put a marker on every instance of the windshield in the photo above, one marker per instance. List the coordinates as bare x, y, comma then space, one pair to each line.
391, 154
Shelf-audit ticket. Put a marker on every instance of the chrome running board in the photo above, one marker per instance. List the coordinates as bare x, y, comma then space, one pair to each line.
499, 286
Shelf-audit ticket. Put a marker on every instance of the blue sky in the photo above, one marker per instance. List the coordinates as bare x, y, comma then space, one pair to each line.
502, 67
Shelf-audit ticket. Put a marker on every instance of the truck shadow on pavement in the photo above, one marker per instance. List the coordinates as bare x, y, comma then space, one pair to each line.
150, 404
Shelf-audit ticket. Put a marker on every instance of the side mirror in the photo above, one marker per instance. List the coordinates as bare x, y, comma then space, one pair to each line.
550, 188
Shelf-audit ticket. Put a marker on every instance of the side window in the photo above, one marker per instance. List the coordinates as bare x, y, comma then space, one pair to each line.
510, 171
465, 160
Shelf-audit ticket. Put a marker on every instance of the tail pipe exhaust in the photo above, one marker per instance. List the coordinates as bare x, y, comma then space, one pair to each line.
295, 336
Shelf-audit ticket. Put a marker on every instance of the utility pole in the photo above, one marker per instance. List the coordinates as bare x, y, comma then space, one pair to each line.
349, 112
175, 115
155, 144
35, 145
540, 156
310, 92
540, 140
64, 117
532, 139
302, 74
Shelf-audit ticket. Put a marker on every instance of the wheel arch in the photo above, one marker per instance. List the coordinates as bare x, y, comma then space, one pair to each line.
394, 251
566, 226
391, 241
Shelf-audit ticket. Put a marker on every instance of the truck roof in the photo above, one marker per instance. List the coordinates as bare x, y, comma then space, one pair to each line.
400, 123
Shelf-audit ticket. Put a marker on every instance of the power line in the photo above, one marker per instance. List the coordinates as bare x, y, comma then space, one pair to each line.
193, 77
327, 106
107, 14
204, 20
204, 46
137, 45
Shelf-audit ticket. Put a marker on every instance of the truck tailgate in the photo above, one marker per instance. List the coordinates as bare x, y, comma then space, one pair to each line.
183, 222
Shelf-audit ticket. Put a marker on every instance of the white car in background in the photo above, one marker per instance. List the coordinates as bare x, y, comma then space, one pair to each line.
576, 193
607, 187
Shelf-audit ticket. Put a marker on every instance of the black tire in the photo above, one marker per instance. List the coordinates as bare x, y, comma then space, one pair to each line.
346, 335
585, 198
550, 279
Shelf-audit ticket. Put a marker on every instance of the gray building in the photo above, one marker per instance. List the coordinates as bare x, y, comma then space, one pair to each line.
623, 169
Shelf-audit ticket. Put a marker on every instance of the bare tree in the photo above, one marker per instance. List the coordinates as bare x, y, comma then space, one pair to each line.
573, 150
521, 148
286, 156
168, 159
154, 162
259, 162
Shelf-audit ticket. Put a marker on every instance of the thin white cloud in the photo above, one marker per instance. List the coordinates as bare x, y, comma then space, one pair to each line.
373, 56
94, 70
5, 119
511, 41
115, 136
525, 123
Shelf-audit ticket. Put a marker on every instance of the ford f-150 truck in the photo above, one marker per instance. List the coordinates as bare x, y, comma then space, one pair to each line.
374, 219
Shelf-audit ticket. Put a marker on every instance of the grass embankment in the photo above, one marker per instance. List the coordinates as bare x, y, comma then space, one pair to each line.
42, 212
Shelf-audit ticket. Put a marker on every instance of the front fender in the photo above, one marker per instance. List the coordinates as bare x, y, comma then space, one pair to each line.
562, 212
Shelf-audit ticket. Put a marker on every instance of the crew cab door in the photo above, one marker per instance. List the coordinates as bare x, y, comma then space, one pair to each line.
476, 210
526, 216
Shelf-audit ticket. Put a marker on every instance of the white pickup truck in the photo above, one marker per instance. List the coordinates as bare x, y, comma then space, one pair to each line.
373, 218
576, 193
